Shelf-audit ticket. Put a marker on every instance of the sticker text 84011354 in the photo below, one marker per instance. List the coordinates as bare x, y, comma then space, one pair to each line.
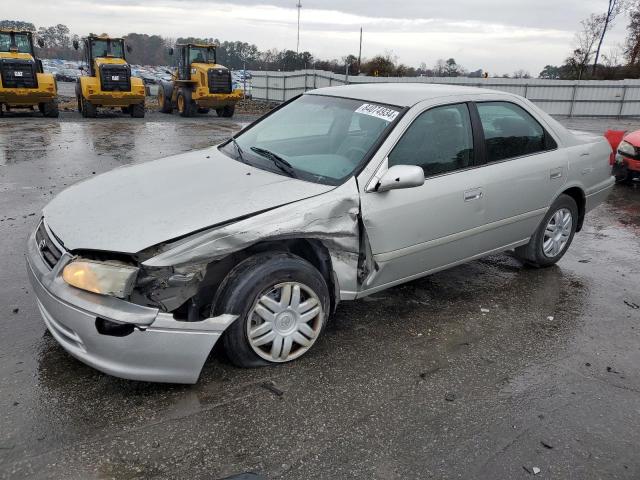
378, 111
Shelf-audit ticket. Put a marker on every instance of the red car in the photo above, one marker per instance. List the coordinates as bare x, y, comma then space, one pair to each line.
626, 161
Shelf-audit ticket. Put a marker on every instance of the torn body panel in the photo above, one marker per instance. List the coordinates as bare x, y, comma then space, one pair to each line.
331, 218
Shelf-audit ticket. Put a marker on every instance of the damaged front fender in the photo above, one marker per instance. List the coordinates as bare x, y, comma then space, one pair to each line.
331, 218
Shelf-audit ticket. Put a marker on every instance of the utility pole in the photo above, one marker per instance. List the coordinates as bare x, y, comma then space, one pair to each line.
360, 52
299, 7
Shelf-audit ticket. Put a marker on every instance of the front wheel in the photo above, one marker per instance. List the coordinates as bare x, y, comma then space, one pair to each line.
137, 110
554, 234
282, 303
50, 109
226, 112
185, 104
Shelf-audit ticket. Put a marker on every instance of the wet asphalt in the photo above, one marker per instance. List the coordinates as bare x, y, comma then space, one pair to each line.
484, 371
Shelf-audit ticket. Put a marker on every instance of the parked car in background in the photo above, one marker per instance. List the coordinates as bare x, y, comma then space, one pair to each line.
627, 159
335, 195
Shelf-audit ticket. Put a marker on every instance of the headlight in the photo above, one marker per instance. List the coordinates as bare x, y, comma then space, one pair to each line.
627, 149
107, 278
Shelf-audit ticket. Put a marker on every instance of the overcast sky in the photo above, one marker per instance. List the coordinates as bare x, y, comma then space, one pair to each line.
499, 36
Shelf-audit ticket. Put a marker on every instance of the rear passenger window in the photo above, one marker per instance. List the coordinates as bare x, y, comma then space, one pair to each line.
509, 131
440, 140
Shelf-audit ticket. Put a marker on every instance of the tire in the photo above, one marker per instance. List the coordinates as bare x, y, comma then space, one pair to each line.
79, 96
137, 110
88, 109
534, 252
50, 109
185, 104
203, 110
126, 110
226, 112
164, 97
270, 275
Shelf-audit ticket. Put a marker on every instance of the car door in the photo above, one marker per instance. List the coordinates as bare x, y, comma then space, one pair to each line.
413, 231
524, 170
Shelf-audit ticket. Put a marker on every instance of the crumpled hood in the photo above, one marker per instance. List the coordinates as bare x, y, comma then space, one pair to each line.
132, 208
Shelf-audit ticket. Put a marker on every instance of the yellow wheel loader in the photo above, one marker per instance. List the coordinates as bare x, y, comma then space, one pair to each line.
198, 84
106, 80
23, 83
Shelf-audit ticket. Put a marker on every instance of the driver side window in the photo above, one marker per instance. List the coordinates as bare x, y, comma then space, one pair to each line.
439, 140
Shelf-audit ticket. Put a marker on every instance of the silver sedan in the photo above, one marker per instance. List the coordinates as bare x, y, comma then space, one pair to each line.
335, 195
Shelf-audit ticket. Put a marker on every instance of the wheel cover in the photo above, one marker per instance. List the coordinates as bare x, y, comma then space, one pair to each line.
284, 322
181, 103
557, 233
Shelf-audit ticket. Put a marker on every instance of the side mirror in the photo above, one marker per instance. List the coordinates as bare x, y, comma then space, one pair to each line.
76, 45
129, 49
401, 176
41, 43
170, 51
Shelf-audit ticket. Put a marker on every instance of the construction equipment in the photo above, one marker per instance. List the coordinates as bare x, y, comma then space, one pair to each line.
106, 80
198, 84
23, 83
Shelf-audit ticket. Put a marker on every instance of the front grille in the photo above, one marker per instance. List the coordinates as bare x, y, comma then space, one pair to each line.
115, 78
17, 73
49, 252
219, 80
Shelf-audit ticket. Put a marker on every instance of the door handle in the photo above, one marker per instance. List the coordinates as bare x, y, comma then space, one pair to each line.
474, 194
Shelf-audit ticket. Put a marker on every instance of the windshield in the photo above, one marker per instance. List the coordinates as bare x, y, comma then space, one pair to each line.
323, 139
100, 48
202, 55
21, 40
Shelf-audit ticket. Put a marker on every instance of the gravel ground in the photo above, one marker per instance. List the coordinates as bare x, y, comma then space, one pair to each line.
486, 370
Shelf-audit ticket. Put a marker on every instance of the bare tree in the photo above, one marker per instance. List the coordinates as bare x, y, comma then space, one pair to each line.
615, 8
521, 74
632, 50
585, 40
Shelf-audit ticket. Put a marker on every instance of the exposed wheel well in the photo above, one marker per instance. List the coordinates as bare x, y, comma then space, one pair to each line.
311, 250
578, 195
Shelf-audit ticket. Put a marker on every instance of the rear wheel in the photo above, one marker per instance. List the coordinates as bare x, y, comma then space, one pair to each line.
226, 112
554, 234
164, 99
282, 303
137, 110
88, 109
50, 109
185, 104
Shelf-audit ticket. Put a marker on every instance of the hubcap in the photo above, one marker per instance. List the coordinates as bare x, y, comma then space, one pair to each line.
557, 233
181, 103
284, 322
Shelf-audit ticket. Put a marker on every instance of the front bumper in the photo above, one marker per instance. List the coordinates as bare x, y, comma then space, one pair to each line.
159, 349
22, 97
625, 166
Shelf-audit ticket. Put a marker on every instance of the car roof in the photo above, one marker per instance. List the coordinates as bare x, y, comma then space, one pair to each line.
400, 94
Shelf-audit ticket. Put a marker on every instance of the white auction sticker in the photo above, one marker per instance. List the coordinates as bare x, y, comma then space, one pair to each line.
378, 111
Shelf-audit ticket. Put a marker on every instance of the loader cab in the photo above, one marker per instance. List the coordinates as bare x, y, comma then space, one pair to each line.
12, 42
103, 47
191, 53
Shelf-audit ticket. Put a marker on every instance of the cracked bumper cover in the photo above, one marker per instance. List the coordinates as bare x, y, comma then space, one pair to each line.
160, 348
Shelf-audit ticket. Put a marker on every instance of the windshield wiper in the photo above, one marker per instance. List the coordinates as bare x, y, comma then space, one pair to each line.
238, 149
279, 162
